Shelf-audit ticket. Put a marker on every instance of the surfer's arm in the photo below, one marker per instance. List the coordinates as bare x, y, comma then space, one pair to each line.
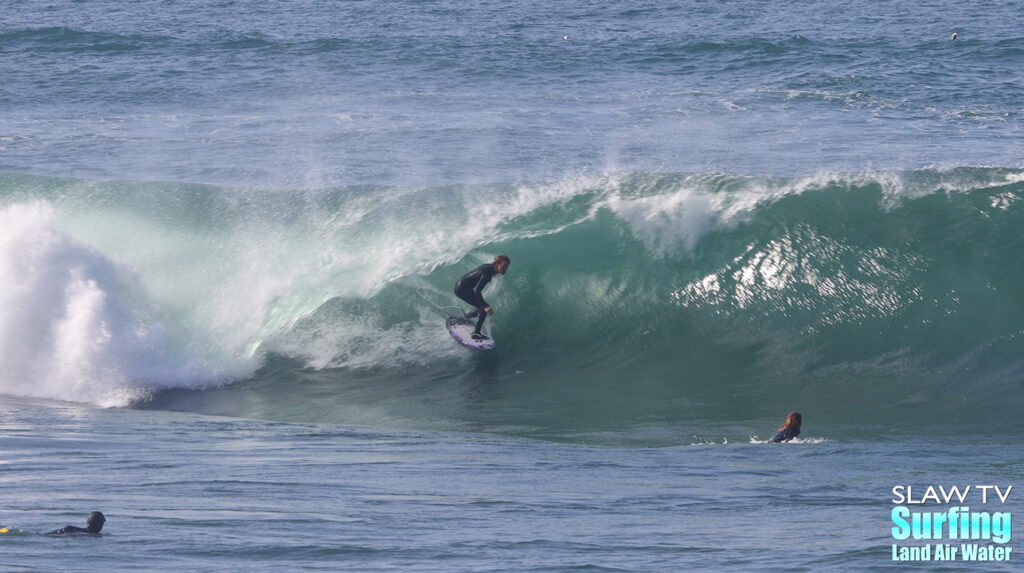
68, 529
485, 278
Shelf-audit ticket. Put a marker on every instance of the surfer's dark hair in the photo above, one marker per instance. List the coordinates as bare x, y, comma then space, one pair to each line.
793, 421
95, 522
502, 259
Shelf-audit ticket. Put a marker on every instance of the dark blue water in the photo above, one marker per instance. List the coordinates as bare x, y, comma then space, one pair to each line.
320, 93
717, 213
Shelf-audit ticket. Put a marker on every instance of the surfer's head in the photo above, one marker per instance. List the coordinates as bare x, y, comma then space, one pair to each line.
793, 421
95, 522
501, 263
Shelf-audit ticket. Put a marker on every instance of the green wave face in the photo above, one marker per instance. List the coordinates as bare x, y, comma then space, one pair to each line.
633, 299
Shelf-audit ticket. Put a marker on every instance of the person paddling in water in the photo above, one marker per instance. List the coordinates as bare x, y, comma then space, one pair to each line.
471, 286
94, 524
789, 430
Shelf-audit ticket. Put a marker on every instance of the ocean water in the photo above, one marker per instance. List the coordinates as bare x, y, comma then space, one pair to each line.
229, 234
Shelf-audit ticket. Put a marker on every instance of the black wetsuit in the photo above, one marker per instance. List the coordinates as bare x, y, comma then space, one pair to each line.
95, 525
785, 435
71, 529
470, 289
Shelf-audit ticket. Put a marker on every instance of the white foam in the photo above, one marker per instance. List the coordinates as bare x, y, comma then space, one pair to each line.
678, 214
755, 440
72, 325
680, 217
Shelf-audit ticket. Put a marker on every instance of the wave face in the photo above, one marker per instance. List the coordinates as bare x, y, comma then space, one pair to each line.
633, 299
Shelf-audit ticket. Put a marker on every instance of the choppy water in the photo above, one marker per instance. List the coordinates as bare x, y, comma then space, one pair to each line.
717, 213
213, 494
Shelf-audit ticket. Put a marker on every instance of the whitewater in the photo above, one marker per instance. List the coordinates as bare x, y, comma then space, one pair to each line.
229, 235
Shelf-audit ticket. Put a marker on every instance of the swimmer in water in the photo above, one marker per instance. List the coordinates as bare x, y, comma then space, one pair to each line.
93, 526
789, 430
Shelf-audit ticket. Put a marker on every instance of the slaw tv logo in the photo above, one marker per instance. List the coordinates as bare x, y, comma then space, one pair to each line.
956, 532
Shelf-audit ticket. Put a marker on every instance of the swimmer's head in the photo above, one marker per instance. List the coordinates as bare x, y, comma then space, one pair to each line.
501, 263
793, 420
95, 522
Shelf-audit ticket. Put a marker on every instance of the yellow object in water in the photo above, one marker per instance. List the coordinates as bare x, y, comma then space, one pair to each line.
3, 530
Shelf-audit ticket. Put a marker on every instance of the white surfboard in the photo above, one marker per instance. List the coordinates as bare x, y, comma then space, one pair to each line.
461, 330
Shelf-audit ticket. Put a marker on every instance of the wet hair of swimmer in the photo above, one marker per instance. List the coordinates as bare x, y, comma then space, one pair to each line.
793, 421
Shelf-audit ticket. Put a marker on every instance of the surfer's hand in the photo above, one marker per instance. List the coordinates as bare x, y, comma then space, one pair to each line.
488, 310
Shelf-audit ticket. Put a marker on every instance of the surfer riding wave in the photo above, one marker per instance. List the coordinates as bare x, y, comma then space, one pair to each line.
470, 289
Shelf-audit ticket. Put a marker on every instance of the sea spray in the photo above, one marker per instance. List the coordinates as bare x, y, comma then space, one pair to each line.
73, 323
